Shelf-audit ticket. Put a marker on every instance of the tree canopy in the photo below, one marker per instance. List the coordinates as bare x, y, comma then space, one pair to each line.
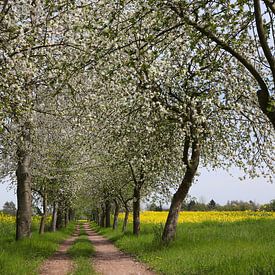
116, 100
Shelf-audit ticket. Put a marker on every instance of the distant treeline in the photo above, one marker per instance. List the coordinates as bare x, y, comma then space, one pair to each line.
234, 205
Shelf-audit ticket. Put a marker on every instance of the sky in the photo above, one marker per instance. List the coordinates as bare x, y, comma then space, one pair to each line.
6, 193
217, 185
220, 186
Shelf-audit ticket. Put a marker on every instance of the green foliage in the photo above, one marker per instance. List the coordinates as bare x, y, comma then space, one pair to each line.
271, 106
269, 206
9, 208
234, 205
25, 256
154, 207
206, 248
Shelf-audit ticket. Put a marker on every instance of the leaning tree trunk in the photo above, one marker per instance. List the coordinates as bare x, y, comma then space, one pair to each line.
24, 199
54, 217
125, 221
108, 213
44, 216
136, 211
115, 223
169, 231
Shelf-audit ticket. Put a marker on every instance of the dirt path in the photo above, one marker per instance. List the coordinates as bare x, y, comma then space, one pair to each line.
60, 263
109, 260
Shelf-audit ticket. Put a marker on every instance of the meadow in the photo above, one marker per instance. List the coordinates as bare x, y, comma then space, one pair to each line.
206, 243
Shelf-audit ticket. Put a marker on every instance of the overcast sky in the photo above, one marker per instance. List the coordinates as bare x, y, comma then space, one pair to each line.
217, 185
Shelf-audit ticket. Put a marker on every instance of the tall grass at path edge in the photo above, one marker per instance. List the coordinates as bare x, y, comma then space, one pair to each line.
25, 256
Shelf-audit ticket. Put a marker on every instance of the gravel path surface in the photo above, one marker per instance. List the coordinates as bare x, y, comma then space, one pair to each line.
108, 260
60, 263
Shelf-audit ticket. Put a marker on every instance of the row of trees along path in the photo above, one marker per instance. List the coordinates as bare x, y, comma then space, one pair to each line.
130, 99
107, 260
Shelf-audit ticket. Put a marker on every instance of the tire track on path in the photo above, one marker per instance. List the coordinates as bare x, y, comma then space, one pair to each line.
108, 260
60, 263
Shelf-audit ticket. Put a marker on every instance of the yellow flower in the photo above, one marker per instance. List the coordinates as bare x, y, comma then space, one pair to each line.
196, 217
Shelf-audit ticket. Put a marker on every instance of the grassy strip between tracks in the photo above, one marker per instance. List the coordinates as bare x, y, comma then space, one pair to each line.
81, 252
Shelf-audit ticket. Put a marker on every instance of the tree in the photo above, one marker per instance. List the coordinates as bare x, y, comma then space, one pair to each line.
143, 100
9, 208
34, 42
212, 204
187, 82
233, 26
269, 206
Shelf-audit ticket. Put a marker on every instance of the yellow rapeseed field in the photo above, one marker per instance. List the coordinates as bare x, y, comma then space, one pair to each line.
196, 216
4, 218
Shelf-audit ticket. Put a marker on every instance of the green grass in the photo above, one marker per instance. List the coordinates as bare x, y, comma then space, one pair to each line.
25, 256
81, 252
246, 247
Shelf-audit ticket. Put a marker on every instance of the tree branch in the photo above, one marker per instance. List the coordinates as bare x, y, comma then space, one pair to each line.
230, 50
270, 4
225, 46
185, 151
195, 157
263, 38
133, 173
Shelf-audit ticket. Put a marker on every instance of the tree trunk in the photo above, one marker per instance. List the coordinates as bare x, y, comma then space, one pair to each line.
71, 214
66, 217
102, 217
172, 219
24, 199
125, 221
97, 217
108, 213
59, 220
265, 100
54, 217
93, 217
116, 215
169, 231
44, 216
136, 211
